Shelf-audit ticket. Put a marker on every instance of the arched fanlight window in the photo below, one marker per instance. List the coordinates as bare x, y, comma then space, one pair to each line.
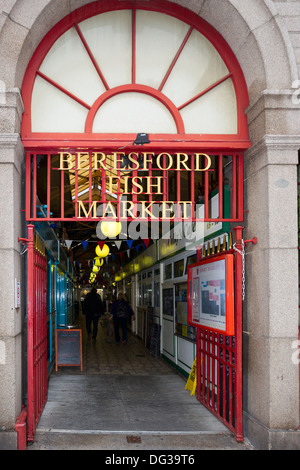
101, 75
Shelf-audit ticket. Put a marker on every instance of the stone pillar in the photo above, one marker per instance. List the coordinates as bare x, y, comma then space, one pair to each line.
11, 227
271, 376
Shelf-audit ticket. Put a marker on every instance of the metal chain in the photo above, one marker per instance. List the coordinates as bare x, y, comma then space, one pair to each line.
24, 249
242, 253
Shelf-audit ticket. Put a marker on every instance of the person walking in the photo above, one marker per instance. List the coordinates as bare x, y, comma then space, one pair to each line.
121, 311
93, 309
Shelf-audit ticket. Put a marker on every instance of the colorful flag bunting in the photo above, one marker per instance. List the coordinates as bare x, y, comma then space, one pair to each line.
146, 241
69, 243
129, 243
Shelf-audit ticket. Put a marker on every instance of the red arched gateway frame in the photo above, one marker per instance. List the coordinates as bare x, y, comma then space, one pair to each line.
76, 155
179, 141
216, 145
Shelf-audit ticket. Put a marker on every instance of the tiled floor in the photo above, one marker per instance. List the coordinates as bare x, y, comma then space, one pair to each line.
122, 388
104, 356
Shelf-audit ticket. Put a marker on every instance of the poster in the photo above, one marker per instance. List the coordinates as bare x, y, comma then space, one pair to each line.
196, 298
182, 328
211, 294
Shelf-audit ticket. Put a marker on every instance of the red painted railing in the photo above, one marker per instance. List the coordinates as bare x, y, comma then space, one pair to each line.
219, 359
21, 429
36, 330
69, 180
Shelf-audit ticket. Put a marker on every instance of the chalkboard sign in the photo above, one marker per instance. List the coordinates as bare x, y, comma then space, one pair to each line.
150, 320
68, 348
168, 302
155, 340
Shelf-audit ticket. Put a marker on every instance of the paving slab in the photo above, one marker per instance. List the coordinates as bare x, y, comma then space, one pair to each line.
125, 399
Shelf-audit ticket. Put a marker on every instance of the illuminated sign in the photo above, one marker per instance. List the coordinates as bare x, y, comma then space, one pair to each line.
132, 161
130, 186
128, 166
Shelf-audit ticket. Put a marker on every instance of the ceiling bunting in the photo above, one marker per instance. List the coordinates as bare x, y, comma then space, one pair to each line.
146, 241
84, 244
129, 243
90, 241
118, 244
68, 243
101, 244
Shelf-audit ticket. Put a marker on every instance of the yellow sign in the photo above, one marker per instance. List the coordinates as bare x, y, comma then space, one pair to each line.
140, 161
192, 380
133, 185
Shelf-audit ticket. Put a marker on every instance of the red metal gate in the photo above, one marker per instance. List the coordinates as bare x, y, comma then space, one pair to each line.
36, 330
219, 359
65, 186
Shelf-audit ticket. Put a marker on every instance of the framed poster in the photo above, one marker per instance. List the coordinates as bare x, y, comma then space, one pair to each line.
211, 294
168, 303
182, 328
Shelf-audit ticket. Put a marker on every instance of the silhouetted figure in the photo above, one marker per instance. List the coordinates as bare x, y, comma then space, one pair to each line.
93, 309
121, 311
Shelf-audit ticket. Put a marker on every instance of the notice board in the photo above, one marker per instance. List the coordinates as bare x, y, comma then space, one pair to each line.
211, 294
168, 301
155, 340
68, 348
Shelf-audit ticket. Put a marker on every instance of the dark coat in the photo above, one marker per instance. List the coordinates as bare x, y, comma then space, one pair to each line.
116, 305
93, 305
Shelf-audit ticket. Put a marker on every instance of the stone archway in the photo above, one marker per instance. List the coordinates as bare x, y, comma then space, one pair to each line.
259, 41
28, 24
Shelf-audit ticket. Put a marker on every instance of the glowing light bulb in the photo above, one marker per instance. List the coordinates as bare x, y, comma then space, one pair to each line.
111, 229
101, 253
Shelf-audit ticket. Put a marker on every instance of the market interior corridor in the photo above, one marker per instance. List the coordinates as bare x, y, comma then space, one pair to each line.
122, 389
